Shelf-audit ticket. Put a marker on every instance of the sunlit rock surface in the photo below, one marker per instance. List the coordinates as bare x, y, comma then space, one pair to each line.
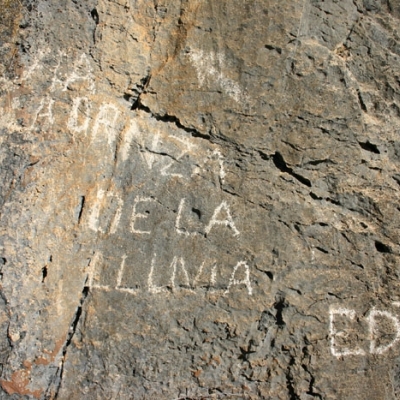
200, 199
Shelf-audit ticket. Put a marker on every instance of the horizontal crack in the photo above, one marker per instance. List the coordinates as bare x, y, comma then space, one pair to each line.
169, 118
281, 165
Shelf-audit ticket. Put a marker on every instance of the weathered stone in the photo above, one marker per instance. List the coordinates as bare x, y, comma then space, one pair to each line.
199, 199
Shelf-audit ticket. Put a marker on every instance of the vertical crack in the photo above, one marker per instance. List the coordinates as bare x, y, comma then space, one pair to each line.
80, 208
290, 381
55, 384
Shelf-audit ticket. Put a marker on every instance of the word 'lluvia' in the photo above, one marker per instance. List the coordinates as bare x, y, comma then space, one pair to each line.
178, 277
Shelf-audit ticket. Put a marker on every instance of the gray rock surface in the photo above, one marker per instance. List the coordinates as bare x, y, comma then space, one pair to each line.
199, 199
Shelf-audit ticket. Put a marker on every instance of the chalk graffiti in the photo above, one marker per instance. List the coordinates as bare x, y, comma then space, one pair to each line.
36, 65
73, 120
94, 215
343, 341
136, 215
46, 104
227, 221
128, 136
169, 149
334, 334
179, 277
246, 281
106, 122
82, 71
211, 65
163, 147
373, 323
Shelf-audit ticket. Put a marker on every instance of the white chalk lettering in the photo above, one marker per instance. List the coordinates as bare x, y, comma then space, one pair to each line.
178, 228
220, 159
167, 167
149, 155
45, 103
121, 272
117, 216
373, 329
213, 279
151, 286
211, 66
55, 80
333, 333
37, 64
246, 281
107, 119
198, 275
119, 286
82, 72
174, 266
95, 212
129, 135
136, 215
224, 222
92, 273
73, 119
94, 217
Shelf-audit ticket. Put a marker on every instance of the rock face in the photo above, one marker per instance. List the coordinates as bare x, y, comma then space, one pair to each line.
199, 199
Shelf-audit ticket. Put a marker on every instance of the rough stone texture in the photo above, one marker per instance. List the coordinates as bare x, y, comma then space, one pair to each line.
199, 199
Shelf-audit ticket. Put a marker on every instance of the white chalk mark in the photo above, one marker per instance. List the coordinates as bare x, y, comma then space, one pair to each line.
82, 72
94, 216
245, 281
169, 165
396, 303
213, 278
152, 287
118, 213
224, 222
197, 277
136, 215
107, 118
220, 159
97, 257
37, 64
205, 67
333, 333
92, 265
149, 155
128, 290
166, 168
72, 122
130, 134
119, 279
16, 103
48, 114
372, 319
95, 212
174, 266
179, 230
188, 143
55, 80
121, 272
